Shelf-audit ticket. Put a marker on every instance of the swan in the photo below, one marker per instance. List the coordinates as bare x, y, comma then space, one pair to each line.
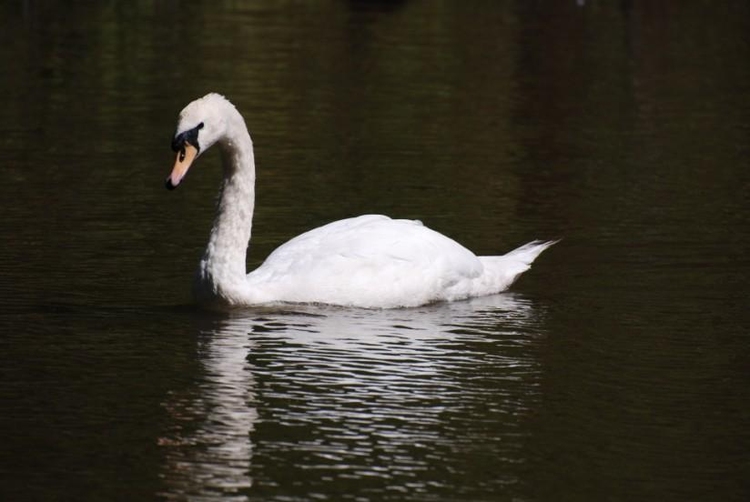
369, 261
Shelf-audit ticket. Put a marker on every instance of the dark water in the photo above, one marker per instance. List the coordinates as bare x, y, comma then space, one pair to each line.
618, 368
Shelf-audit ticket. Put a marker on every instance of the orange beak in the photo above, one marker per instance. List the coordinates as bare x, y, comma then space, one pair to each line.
185, 158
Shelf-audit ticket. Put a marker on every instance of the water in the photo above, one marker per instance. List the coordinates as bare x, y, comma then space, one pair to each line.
616, 369
355, 404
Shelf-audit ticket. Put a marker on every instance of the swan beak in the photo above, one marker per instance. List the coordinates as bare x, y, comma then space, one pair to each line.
185, 158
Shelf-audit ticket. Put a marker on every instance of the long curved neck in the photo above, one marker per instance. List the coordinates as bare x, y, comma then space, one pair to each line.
221, 274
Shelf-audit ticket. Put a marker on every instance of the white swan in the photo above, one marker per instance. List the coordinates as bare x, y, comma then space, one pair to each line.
368, 261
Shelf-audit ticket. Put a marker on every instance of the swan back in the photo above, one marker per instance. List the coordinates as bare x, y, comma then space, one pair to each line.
368, 261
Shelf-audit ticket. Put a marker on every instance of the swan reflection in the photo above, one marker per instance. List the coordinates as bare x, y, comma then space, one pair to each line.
207, 447
297, 397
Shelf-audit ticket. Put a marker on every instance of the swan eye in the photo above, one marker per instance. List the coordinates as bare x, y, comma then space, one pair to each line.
189, 137
182, 154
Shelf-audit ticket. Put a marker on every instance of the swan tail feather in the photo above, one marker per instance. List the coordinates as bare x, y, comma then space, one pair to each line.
500, 272
527, 253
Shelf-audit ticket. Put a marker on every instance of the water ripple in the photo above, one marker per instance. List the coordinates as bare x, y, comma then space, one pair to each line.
370, 401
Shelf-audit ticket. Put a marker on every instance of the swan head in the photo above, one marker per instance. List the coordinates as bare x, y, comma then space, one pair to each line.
201, 124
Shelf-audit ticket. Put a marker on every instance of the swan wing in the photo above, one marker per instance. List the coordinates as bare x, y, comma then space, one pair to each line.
370, 260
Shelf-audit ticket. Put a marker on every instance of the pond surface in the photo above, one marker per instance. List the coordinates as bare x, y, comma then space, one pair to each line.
618, 368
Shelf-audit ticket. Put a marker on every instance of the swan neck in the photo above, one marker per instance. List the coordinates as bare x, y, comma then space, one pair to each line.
222, 271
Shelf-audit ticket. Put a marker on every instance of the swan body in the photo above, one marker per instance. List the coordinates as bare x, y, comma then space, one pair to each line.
369, 261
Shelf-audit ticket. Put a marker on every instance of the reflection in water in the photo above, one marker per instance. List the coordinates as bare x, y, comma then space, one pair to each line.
207, 449
409, 399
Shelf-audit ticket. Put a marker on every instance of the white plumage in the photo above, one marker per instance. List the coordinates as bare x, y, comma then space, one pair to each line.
369, 261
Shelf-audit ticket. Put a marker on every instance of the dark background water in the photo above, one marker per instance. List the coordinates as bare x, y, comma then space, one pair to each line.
616, 369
